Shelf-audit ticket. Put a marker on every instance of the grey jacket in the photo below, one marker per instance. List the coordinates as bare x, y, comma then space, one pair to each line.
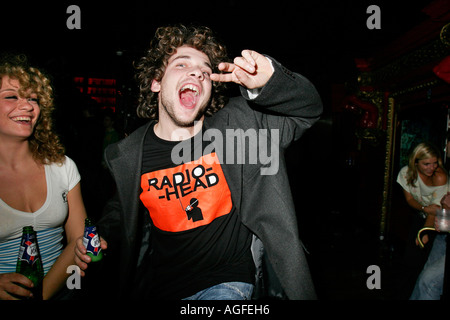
286, 107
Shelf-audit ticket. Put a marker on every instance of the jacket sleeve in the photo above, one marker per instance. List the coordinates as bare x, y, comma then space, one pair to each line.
288, 101
109, 223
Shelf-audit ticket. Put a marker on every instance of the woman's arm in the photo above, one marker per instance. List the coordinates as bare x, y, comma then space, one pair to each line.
74, 228
429, 210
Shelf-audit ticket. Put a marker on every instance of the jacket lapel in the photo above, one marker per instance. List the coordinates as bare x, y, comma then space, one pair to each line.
126, 164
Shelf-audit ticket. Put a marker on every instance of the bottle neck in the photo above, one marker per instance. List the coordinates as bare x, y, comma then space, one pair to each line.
28, 230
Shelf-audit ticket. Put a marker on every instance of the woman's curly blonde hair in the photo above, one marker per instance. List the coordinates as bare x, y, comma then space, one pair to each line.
44, 144
164, 44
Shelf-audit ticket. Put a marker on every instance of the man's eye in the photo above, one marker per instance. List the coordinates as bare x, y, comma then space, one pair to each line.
34, 100
11, 97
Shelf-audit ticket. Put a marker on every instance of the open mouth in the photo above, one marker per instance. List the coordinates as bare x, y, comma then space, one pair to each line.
189, 94
24, 120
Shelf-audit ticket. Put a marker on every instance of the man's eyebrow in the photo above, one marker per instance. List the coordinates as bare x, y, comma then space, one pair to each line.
189, 58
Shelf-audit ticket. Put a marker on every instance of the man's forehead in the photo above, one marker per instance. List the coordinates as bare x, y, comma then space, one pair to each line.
190, 53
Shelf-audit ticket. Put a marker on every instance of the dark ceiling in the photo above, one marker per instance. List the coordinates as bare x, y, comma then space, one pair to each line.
320, 38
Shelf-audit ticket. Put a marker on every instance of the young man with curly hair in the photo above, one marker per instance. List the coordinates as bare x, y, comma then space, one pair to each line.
210, 227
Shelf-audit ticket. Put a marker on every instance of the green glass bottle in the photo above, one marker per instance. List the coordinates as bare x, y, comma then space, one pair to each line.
91, 241
29, 262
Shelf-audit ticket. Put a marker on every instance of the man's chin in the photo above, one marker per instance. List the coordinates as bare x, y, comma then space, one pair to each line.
190, 122
187, 123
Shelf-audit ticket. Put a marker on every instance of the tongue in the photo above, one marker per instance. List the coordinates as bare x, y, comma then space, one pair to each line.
187, 98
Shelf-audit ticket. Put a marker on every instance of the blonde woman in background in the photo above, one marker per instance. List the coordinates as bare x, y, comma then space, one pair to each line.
425, 183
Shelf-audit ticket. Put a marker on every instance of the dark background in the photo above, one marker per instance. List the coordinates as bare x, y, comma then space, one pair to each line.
317, 38
320, 39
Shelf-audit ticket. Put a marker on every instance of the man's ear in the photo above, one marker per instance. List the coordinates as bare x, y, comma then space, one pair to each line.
156, 86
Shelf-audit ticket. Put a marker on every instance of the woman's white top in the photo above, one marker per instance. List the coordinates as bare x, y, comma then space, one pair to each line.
48, 221
424, 194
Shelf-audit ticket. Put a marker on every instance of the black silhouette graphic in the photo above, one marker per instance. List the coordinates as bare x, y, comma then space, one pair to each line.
193, 211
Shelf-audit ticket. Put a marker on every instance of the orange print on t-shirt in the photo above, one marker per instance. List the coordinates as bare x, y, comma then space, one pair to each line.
187, 196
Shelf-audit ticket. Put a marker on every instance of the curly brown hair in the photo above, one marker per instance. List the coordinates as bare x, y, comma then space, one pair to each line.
44, 143
164, 44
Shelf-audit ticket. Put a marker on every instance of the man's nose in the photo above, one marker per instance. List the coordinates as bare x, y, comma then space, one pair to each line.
196, 72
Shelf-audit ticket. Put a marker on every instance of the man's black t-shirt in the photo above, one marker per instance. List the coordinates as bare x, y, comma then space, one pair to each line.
198, 239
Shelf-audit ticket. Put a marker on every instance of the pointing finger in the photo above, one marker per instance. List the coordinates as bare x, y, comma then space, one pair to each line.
226, 67
221, 77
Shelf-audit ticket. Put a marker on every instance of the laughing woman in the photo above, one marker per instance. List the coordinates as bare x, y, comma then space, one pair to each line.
39, 185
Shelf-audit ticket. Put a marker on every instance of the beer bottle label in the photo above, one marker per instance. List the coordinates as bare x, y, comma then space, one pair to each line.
28, 250
91, 240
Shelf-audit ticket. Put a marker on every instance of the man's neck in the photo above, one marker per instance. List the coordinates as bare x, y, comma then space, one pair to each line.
172, 132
